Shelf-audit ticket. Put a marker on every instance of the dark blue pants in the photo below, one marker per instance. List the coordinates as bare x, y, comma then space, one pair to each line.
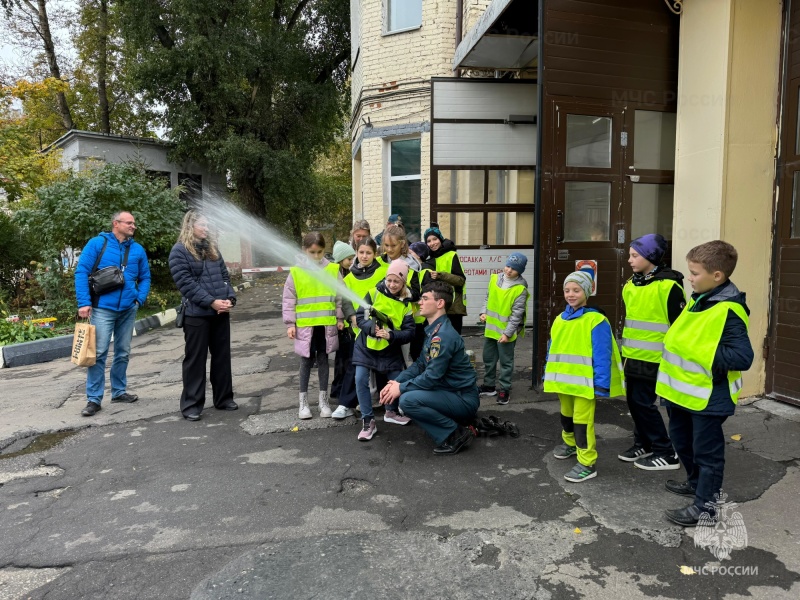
439, 412
649, 430
344, 372
700, 444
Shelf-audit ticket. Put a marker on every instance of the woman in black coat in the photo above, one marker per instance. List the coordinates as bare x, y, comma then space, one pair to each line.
207, 299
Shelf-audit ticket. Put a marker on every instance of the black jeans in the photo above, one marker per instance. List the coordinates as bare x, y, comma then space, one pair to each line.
203, 335
700, 444
343, 387
649, 430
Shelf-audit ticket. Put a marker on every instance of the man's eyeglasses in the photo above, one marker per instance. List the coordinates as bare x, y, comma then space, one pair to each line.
426, 298
126, 222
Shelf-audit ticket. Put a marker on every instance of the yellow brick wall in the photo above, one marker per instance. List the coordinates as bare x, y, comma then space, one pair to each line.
390, 86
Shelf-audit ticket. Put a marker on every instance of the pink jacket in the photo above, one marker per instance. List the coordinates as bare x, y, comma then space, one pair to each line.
302, 338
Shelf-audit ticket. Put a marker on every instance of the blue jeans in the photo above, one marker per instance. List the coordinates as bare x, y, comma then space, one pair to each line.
362, 390
107, 322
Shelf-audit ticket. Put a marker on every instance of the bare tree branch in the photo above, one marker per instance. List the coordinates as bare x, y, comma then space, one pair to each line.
296, 14
328, 70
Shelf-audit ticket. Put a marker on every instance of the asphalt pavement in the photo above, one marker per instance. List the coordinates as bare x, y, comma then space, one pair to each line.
138, 503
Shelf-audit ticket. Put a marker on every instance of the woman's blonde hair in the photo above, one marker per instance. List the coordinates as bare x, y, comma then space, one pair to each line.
190, 242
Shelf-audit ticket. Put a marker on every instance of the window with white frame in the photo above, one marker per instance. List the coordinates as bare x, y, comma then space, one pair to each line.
403, 14
405, 181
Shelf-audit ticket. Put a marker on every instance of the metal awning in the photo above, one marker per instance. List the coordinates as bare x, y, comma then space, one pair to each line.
504, 38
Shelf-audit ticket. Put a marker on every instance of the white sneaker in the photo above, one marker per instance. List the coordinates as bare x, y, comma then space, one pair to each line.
305, 411
342, 412
324, 409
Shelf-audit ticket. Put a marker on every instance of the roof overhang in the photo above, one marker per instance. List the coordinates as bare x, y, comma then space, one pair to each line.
504, 38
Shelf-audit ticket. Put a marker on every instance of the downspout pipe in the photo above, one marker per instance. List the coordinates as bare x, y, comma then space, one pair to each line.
537, 200
459, 27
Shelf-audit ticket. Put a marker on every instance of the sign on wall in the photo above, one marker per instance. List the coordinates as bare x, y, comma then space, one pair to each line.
478, 267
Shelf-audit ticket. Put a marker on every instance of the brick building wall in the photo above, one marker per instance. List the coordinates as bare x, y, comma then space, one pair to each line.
391, 94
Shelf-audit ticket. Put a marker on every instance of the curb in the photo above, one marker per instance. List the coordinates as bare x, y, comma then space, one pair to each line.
39, 351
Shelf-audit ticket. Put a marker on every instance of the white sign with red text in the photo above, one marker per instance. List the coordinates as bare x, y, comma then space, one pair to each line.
478, 267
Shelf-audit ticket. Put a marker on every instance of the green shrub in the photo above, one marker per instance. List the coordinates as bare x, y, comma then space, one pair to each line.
18, 332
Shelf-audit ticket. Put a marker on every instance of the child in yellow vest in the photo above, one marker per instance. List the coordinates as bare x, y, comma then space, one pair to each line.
705, 351
378, 345
312, 313
504, 315
583, 364
365, 273
654, 298
342, 388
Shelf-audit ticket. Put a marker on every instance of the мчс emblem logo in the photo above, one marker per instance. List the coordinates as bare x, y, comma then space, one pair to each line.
720, 529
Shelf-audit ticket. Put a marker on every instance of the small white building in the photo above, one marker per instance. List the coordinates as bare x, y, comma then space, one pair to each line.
81, 148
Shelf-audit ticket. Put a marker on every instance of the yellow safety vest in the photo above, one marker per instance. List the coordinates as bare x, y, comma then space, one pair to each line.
362, 286
684, 375
316, 302
394, 309
418, 318
444, 263
569, 367
646, 319
498, 309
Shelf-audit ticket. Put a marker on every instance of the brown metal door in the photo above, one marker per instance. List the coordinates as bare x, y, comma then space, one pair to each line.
783, 349
588, 218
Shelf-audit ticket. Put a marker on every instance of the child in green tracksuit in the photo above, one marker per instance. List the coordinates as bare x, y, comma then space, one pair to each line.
583, 364
503, 313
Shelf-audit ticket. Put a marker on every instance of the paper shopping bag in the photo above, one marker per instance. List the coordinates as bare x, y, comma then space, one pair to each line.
83, 345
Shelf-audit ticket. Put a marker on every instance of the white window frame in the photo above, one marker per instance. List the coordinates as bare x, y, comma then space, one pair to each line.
386, 8
391, 179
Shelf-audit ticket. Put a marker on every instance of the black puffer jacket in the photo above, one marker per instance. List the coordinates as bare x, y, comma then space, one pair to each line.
200, 282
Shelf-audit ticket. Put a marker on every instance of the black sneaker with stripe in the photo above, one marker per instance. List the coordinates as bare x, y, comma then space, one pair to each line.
633, 454
659, 463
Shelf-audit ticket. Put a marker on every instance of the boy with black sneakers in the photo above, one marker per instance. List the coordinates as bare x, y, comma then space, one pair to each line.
705, 351
583, 364
504, 315
654, 298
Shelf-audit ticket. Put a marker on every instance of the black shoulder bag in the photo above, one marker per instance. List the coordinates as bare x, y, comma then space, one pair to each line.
107, 279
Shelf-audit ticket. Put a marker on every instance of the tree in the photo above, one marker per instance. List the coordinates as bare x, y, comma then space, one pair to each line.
68, 213
252, 88
30, 20
17, 251
22, 167
332, 206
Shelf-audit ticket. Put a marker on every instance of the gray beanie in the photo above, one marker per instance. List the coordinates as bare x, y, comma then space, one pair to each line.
583, 279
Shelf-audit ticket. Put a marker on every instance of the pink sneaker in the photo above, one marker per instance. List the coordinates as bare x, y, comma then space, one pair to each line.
368, 431
392, 417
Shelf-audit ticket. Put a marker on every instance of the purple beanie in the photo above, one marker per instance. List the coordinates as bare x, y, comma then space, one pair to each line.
420, 249
652, 246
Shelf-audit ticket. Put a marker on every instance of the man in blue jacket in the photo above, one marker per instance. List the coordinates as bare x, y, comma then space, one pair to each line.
113, 312
439, 391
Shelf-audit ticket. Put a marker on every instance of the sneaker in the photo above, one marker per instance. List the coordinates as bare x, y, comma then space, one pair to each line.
91, 409
503, 396
565, 451
633, 454
342, 412
392, 417
580, 473
368, 431
659, 463
126, 398
487, 390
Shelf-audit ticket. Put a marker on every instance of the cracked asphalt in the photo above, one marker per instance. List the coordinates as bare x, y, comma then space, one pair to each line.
142, 504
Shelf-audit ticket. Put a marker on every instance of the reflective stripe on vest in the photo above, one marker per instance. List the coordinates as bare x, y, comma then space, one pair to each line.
499, 306
394, 309
569, 368
648, 319
316, 302
684, 375
362, 286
